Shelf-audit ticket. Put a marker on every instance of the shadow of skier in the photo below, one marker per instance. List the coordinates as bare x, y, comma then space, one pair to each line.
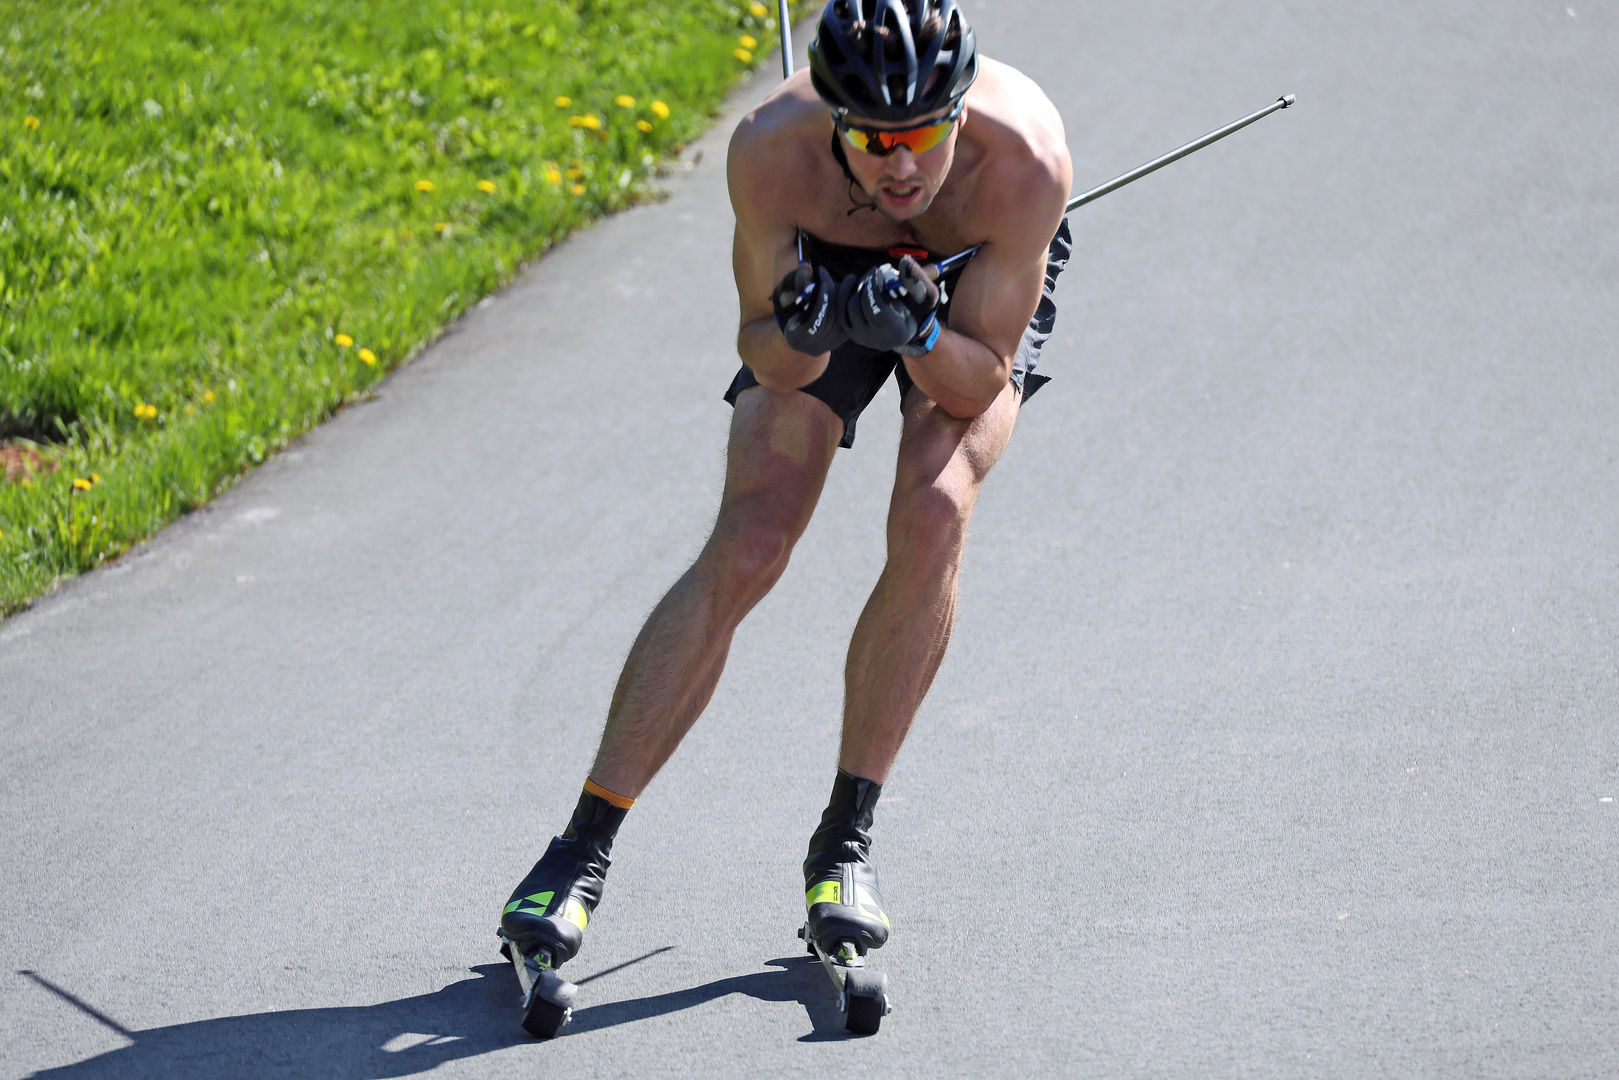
410, 1036
795, 978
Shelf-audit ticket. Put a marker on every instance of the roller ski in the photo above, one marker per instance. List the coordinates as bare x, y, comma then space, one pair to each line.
845, 917
544, 922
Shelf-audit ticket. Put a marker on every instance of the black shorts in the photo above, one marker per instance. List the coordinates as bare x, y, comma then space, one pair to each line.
855, 373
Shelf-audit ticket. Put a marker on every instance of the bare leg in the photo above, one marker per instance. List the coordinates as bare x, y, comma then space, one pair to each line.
780, 449
901, 637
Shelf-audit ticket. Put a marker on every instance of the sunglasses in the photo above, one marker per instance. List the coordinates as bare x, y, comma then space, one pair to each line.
919, 140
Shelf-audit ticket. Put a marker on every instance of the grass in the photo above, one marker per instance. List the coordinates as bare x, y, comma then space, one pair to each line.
218, 222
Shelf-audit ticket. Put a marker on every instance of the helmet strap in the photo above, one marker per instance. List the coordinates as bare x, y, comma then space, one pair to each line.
843, 160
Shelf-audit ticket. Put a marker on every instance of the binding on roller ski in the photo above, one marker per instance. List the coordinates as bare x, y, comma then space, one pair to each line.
842, 185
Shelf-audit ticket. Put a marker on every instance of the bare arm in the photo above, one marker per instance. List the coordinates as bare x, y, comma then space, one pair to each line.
993, 303
763, 251
997, 294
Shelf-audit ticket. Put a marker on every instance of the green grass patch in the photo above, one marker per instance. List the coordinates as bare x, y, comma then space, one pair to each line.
220, 221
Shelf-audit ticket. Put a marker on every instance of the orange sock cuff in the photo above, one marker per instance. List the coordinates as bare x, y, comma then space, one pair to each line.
600, 792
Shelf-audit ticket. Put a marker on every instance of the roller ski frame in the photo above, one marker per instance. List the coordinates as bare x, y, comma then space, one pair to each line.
547, 997
862, 992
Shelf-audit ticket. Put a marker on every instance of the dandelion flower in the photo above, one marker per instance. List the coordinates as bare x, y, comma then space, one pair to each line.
553, 175
95, 478
207, 395
441, 227
486, 186
624, 101
342, 341
424, 186
563, 101
643, 125
660, 110
367, 356
756, 10
578, 189
743, 55
81, 483
575, 172
588, 120
143, 411
31, 123
749, 41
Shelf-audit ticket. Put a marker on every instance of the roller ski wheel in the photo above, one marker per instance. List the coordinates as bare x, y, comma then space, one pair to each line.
547, 998
862, 992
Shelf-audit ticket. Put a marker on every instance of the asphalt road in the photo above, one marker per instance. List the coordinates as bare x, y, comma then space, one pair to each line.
1277, 739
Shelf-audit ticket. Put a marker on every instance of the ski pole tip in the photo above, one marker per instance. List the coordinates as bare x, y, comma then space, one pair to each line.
1286, 100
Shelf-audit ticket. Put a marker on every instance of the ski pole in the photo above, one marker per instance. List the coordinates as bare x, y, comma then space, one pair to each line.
786, 40
944, 265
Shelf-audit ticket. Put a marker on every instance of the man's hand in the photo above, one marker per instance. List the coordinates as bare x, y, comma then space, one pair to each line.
893, 308
809, 309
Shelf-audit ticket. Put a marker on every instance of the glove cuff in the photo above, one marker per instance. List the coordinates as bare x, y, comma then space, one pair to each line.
926, 337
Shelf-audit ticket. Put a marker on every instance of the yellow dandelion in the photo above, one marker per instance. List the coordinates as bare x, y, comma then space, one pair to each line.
367, 356
207, 395
81, 483
743, 55
643, 125
424, 186
563, 101
95, 478
31, 123
756, 10
624, 101
441, 227
143, 411
553, 175
575, 172
749, 41
342, 341
588, 120
578, 189
660, 110
486, 186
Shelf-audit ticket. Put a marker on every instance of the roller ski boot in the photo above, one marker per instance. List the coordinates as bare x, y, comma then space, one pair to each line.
544, 923
845, 907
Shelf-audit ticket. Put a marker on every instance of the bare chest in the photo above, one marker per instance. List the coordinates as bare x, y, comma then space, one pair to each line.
840, 212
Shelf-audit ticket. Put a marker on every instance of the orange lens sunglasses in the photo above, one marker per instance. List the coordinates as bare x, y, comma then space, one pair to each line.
919, 140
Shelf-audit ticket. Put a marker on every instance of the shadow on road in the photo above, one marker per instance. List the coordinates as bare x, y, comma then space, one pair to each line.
796, 978
409, 1036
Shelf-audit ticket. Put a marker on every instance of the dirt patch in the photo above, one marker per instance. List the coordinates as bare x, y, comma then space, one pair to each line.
19, 460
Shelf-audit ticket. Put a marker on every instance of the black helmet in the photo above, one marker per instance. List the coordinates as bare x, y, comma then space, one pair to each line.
926, 62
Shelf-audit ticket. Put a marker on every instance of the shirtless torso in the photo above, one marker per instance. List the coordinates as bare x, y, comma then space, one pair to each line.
1001, 180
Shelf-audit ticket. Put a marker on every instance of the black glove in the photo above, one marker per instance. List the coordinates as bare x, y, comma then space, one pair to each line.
809, 309
893, 308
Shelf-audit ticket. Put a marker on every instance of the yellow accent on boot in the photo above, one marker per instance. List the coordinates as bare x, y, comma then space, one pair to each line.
867, 905
824, 892
542, 899
575, 913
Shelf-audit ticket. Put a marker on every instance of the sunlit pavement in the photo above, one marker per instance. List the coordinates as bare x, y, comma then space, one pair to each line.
1277, 736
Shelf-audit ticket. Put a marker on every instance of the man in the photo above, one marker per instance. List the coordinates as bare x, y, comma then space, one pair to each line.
899, 144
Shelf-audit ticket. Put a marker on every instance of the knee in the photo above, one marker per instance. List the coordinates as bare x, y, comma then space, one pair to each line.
929, 524
752, 550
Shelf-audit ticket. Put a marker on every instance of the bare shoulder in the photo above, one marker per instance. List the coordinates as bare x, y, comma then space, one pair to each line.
771, 164
1025, 170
